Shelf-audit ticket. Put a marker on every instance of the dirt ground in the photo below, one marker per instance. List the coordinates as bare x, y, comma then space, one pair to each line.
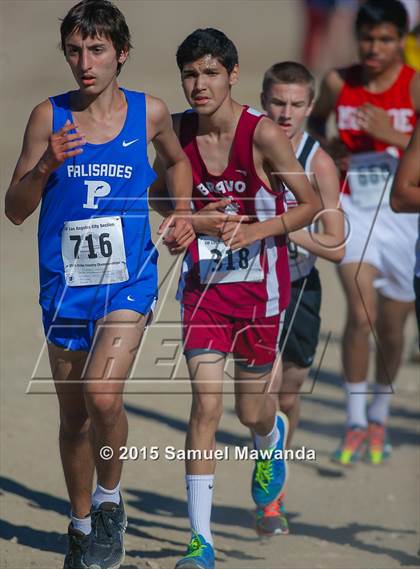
357, 518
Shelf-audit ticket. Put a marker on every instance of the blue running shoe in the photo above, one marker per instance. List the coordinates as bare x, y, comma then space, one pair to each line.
200, 554
106, 546
78, 544
269, 476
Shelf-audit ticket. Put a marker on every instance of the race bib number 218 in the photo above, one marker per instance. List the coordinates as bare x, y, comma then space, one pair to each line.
219, 264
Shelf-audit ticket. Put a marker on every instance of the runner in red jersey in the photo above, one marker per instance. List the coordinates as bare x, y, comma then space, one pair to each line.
376, 104
235, 280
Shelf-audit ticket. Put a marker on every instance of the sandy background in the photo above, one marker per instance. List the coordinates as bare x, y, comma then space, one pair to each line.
353, 519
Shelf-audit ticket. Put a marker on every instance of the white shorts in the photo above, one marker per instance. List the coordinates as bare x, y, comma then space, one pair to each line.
387, 242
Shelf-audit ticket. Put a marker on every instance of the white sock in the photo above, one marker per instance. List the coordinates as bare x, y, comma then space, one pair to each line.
200, 497
378, 411
265, 442
356, 403
84, 525
101, 495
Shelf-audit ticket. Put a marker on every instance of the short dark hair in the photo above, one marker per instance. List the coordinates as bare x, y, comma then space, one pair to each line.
376, 12
97, 17
289, 72
208, 41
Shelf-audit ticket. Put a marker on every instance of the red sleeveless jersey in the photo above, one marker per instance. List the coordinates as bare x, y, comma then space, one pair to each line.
270, 294
396, 101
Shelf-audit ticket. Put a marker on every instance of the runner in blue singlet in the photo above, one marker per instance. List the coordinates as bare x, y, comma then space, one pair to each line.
84, 157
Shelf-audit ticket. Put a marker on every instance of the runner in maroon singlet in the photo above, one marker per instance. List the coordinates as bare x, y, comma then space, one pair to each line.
235, 279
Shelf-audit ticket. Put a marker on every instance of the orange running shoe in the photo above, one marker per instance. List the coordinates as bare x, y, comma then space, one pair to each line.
352, 447
378, 448
272, 519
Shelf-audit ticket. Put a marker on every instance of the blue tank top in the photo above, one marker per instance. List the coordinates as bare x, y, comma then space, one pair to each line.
106, 180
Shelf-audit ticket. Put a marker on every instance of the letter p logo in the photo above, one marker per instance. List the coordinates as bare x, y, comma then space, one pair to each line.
95, 189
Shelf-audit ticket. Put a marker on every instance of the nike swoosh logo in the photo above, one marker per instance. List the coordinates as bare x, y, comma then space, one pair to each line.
243, 172
130, 298
125, 144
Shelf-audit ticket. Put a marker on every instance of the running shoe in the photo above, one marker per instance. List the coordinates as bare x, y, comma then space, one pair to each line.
269, 476
378, 446
106, 549
200, 554
352, 447
272, 519
78, 544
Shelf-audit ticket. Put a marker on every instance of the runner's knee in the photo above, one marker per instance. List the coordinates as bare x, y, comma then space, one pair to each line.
73, 423
390, 338
362, 317
287, 401
206, 410
249, 415
104, 408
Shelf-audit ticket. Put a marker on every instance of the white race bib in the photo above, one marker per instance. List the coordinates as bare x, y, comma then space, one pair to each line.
370, 178
219, 265
93, 251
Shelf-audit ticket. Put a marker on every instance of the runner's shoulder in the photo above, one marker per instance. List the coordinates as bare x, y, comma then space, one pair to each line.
40, 121
322, 164
155, 104
334, 80
267, 132
156, 109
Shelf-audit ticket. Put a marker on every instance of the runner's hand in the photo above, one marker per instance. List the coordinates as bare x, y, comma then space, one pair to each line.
211, 219
178, 233
374, 121
235, 235
62, 145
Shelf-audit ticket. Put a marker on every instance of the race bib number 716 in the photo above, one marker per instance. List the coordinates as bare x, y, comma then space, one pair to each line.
93, 252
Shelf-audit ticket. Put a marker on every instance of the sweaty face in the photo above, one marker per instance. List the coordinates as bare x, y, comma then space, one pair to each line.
288, 104
207, 84
93, 61
379, 47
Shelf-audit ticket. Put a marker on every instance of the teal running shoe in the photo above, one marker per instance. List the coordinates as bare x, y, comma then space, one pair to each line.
269, 476
200, 554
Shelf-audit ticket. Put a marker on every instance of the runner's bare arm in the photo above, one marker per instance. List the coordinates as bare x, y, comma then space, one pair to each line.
159, 198
330, 88
208, 220
275, 153
170, 154
330, 243
42, 153
174, 179
405, 193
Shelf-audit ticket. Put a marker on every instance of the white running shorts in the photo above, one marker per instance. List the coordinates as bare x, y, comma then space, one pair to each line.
387, 242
